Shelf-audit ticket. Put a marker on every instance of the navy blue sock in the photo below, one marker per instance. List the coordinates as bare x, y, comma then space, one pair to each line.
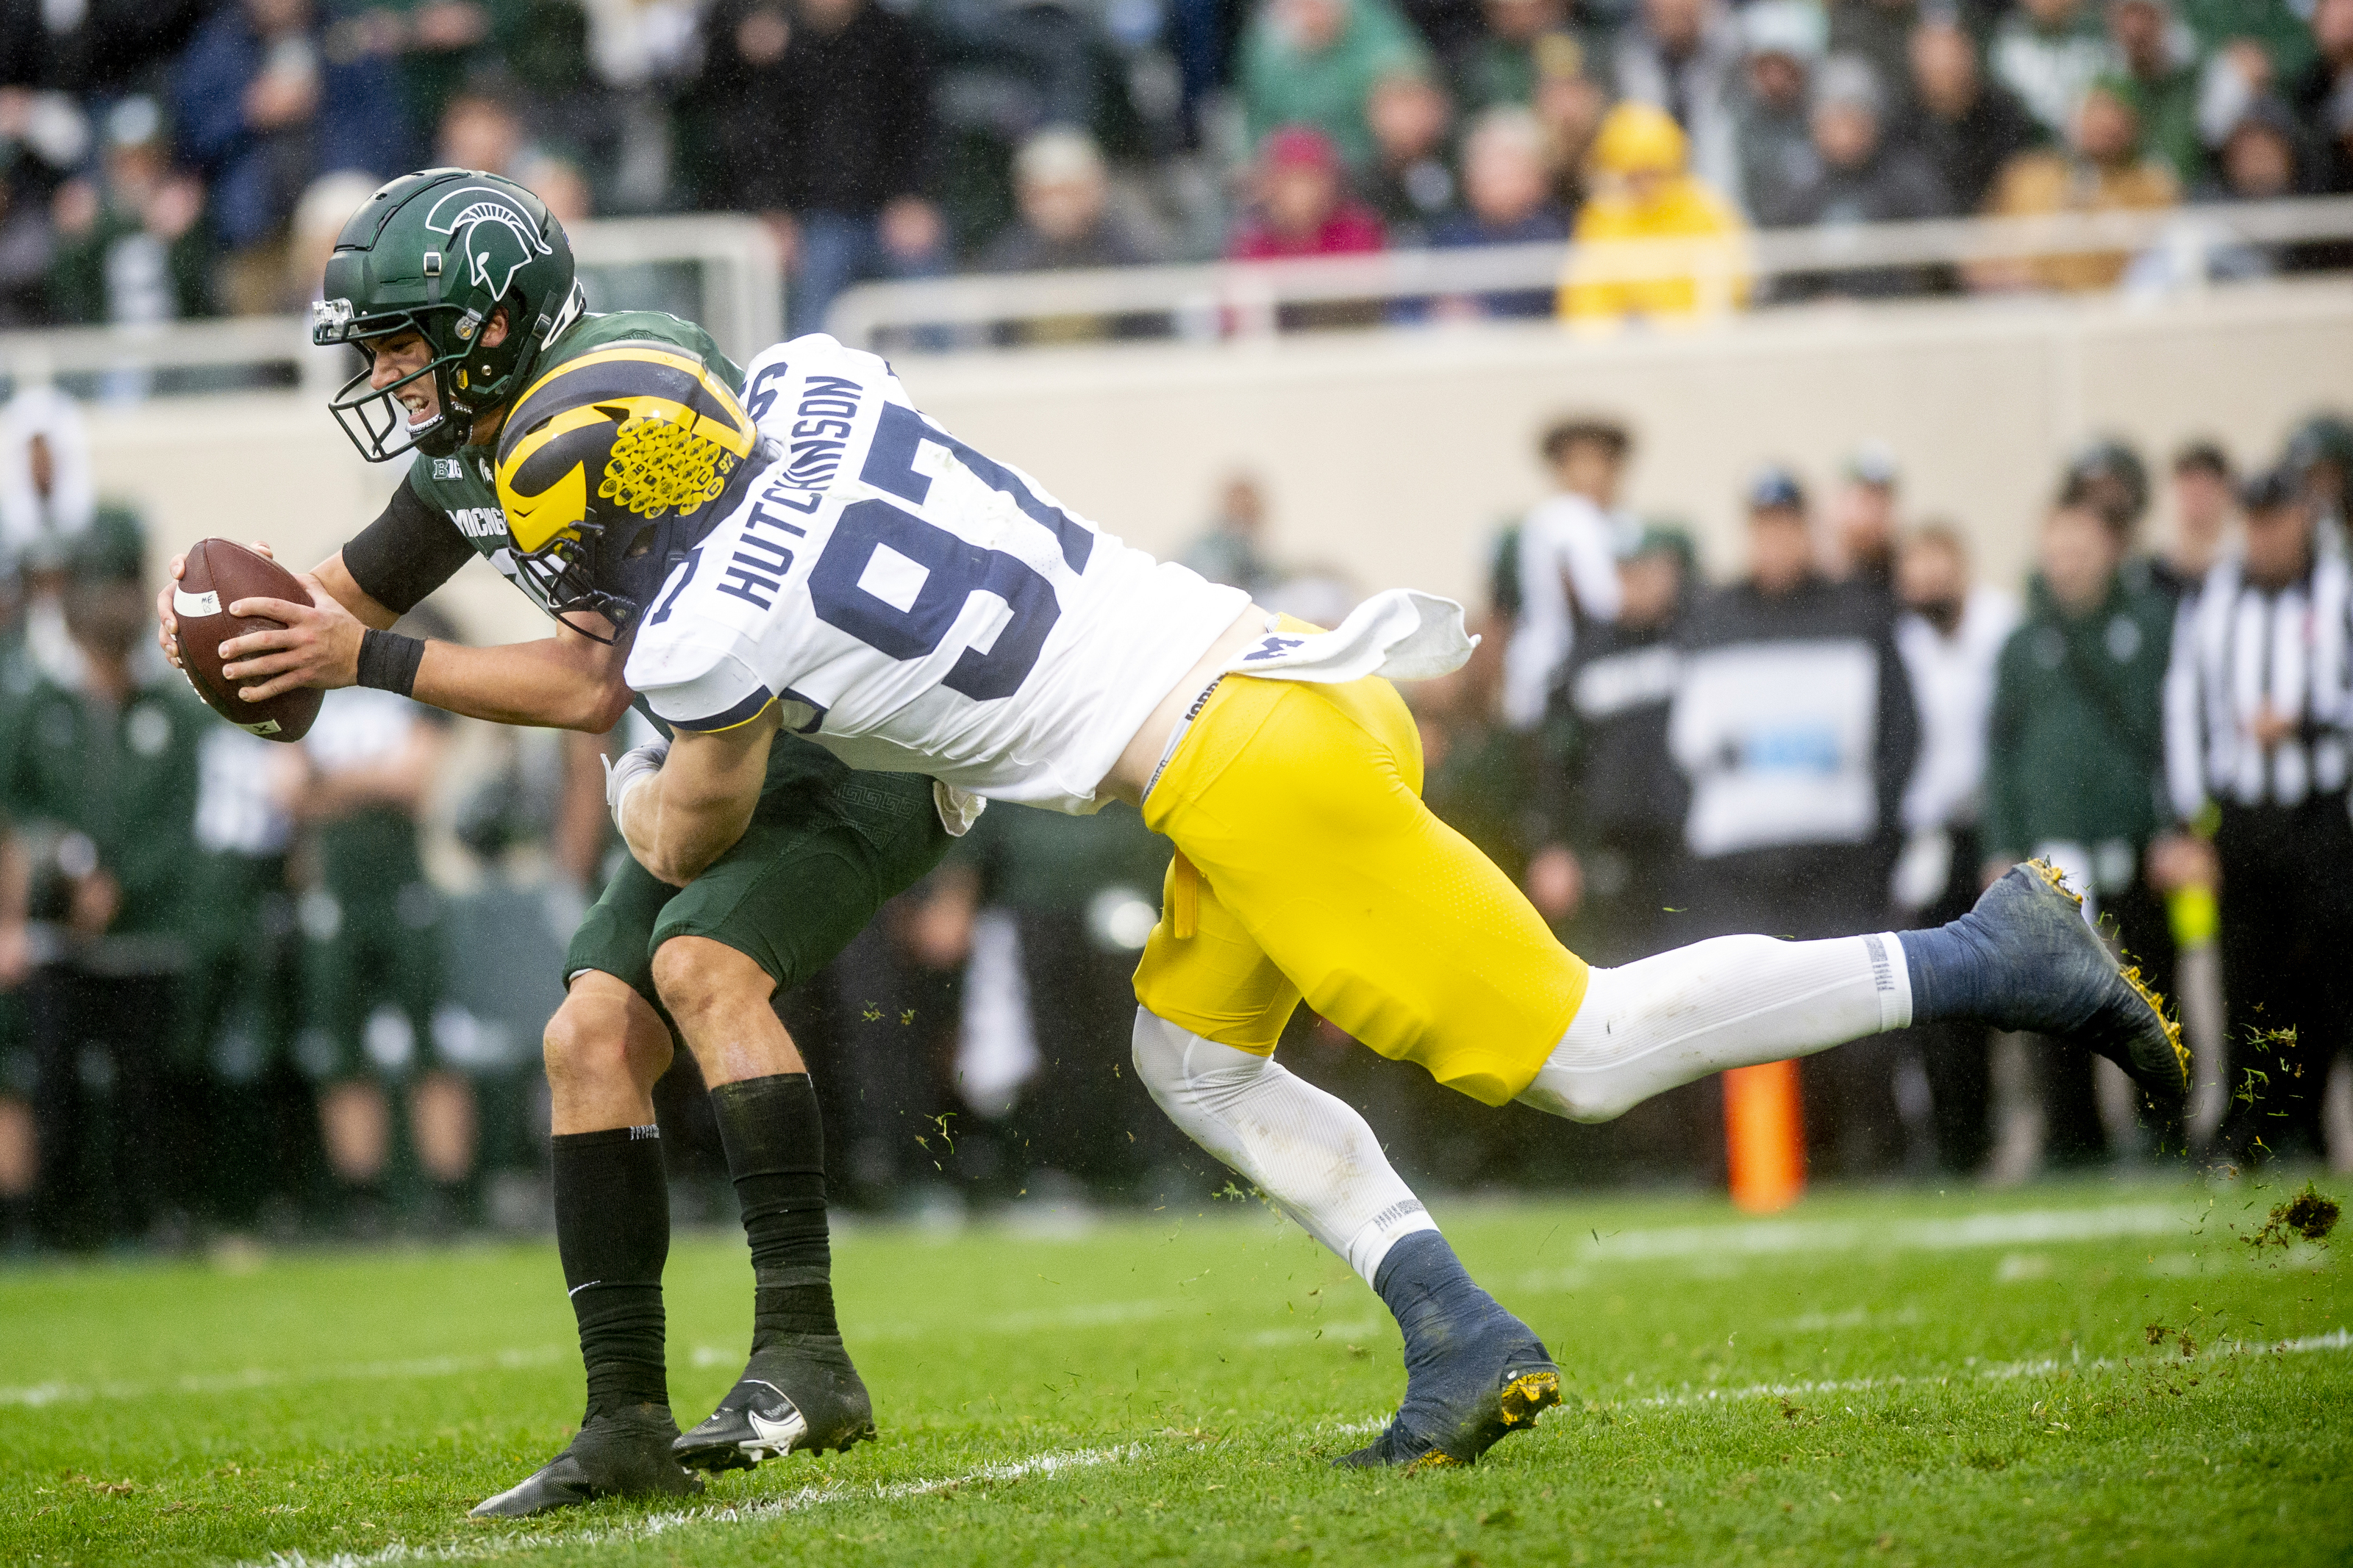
1954, 971
1430, 1291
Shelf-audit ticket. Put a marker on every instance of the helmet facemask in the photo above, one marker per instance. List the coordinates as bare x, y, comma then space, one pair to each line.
374, 419
563, 573
373, 416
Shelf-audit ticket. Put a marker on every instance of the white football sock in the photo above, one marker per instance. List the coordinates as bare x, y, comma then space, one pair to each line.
1310, 1153
1732, 1001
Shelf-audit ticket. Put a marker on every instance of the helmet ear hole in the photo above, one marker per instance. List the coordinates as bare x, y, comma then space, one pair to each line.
640, 543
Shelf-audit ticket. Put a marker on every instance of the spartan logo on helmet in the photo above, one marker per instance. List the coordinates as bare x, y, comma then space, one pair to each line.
484, 226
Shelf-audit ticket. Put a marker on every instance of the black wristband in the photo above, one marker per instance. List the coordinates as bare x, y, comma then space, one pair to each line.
388, 661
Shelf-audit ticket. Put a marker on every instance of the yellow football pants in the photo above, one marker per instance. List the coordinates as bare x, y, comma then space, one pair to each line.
1308, 865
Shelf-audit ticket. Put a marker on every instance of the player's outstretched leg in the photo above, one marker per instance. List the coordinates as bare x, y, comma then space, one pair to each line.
1473, 1372
799, 1390
2023, 959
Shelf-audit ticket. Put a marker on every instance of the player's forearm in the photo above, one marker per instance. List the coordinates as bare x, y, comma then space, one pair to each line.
553, 683
697, 805
337, 580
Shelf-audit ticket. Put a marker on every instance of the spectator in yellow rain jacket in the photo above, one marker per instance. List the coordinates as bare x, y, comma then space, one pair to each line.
1643, 191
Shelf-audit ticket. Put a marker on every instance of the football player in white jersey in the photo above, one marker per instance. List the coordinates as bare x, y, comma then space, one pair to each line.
909, 603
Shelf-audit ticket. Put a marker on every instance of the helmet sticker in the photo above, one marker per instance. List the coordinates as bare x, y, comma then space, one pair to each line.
657, 466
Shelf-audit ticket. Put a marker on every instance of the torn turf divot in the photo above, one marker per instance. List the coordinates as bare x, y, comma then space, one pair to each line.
753, 1512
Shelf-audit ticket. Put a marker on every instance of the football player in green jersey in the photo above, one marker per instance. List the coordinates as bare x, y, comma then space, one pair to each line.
458, 288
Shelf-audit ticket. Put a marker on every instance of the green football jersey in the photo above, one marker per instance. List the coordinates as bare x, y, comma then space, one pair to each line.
124, 777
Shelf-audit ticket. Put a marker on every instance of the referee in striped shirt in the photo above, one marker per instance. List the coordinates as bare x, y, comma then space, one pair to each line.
2259, 731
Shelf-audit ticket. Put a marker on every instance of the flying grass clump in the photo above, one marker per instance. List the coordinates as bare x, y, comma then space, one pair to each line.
2309, 1216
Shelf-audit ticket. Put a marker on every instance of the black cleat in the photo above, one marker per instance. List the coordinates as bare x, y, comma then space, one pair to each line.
625, 1454
2061, 980
1465, 1396
799, 1393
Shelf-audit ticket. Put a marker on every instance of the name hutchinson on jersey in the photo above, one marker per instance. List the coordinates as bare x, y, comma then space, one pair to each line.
815, 432
913, 604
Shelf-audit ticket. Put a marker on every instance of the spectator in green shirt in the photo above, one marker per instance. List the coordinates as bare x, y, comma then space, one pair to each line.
2157, 77
2075, 753
1314, 62
98, 769
132, 245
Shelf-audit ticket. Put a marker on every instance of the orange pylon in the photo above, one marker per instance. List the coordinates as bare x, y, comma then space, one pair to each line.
1765, 1136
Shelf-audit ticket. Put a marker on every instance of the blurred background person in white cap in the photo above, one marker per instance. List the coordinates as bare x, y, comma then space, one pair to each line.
1951, 631
1783, 39
1557, 571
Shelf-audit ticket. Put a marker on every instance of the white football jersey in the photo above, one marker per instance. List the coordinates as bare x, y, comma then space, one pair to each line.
917, 606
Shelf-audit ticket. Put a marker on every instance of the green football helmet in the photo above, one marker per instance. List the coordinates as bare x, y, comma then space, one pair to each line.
436, 253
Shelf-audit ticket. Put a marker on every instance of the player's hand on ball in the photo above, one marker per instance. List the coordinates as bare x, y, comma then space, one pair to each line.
167, 624
318, 645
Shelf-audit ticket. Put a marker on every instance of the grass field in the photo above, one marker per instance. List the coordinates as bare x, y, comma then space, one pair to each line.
2068, 1374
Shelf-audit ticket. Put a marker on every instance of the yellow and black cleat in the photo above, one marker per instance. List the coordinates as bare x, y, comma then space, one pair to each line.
1465, 1427
2059, 979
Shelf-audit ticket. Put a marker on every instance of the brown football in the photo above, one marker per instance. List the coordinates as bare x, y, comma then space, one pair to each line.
219, 574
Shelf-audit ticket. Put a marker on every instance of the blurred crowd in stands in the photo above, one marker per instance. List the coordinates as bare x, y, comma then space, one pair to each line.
288, 990
184, 158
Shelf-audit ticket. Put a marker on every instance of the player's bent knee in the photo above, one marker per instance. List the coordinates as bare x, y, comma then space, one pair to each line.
594, 1038
1565, 1093
700, 978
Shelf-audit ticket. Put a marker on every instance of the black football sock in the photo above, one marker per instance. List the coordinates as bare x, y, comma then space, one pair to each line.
775, 1152
612, 1231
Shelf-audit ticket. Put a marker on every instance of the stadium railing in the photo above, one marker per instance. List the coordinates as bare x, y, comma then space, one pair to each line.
2172, 248
723, 270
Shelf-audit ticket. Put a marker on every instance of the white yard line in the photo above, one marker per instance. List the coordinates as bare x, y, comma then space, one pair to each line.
758, 1513
1991, 1371
1719, 1244
44, 1394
